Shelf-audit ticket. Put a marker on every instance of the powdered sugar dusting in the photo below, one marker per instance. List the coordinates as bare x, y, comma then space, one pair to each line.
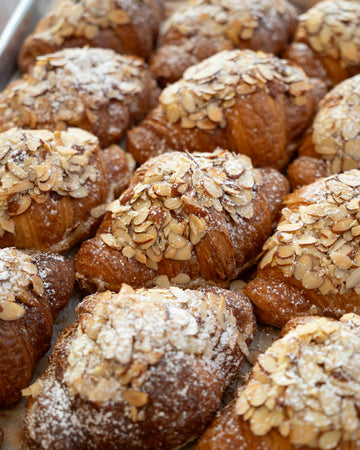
165, 214
18, 274
131, 331
207, 89
317, 241
67, 86
307, 385
336, 130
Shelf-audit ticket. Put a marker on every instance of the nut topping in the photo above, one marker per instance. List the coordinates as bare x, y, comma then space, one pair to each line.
225, 20
207, 89
35, 162
83, 19
317, 405
332, 29
112, 356
18, 277
165, 216
71, 86
322, 237
336, 133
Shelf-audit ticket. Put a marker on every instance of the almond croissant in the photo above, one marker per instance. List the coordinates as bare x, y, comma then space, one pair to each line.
201, 28
326, 43
186, 219
248, 102
54, 186
34, 287
91, 88
311, 263
140, 369
333, 144
126, 27
303, 393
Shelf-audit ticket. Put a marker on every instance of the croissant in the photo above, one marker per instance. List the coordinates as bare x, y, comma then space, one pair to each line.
326, 43
333, 144
311, 263
35, 287
248, 102
302, 393
201, 28
91, 88
140, 369
54, 187
123, 26
186, 220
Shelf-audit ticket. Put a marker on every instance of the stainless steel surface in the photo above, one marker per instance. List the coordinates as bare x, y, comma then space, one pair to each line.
18, 19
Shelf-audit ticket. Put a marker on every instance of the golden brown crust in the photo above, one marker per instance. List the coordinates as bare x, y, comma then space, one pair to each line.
201, 28
176, 224
225, 101
55, 187
282, 406
305, 170
228, 431
334, 138
125, 27
326, 42
91, 88
164, 405
26, 320
310, 264
120, 167
276, 187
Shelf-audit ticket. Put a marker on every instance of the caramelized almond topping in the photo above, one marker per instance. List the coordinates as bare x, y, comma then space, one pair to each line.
209, 88
164, 215
322, 238
307, 386
112, 356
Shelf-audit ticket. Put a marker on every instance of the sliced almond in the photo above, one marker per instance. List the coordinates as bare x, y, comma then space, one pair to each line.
11, 311
135, 398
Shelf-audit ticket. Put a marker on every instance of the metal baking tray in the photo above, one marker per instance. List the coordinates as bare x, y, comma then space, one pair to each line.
17, 19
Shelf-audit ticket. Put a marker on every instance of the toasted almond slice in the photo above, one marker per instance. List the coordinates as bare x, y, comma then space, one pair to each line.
135, 398
118, 17
242, 405
312, 280
353, 279
303, 266
23, 186
11, 311
38, 285
256, 393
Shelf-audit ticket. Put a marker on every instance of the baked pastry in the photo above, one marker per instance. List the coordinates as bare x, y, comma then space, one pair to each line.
91, 88
55, 186
140, 369
311, 263
326, 43
186, 220
302, 393
201, 28
123, 26
333, 144
34, 288
248, 102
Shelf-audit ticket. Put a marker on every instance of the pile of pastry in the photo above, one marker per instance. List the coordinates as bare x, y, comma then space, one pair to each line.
241, 162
